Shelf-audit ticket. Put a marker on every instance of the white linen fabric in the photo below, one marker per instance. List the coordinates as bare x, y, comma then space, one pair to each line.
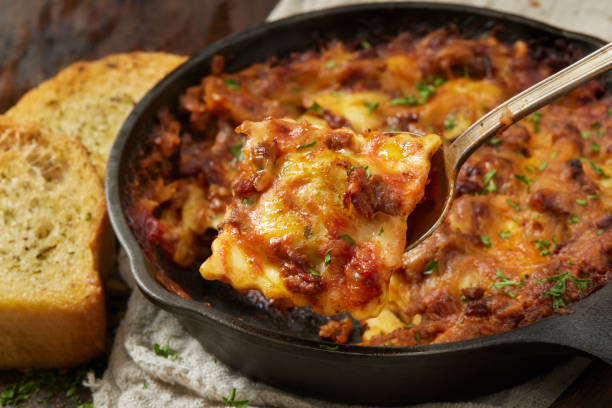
137, 377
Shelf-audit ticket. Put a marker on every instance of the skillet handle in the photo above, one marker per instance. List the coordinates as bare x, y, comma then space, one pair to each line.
588, 329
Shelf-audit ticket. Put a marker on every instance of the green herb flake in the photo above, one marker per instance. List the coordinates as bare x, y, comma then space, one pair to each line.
599, 232
231, 84
505, 234
330, 64
489, 184
367, 171
557, 291
313, 272
365, 44
524, 180
503, 282
316, 108
327, 259
88, 217
371, 106
408, 100
231, 401
495, 141
449, 122
431, 266
594, 147
609, 110
596, 168
307, 145
236, 150
554, 154
485, 240
409, 326
330, 348
542, 166
417, 337
574, 219
585, 134
166, 351
347, 238
381, 231
581, 202
248, 201
388, 343
515, 206
595, 125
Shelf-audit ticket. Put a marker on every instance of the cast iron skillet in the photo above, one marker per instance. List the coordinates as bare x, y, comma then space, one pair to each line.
284, 350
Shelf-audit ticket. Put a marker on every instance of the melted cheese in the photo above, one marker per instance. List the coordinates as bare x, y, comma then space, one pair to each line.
300, 238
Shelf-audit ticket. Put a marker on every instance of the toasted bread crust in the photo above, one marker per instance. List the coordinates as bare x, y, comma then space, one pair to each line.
90, 100
55, 316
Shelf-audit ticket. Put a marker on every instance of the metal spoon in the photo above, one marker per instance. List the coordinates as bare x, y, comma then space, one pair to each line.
432, 211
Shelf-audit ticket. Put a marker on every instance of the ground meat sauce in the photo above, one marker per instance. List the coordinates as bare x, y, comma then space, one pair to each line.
530, 230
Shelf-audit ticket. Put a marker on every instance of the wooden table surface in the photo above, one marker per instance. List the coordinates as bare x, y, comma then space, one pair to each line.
39, 37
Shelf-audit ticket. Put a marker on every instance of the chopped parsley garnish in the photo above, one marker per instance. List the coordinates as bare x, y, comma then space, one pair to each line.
330, 64
594, 147
236, 150
231, 84
449, 122
594, 167
313, 272
381, 231
365, 44
417, 337
595, 125
231, 401
495, 141
585, 134
347, 238
504, 282
535, 118
574, 219
248, 201
388, 343
505, 234
166, 351
307, 145
542, 166
581, 202
409, 326
524, 180
145, 385
599, 232
408, 100
327, 259
593, 196
557, 291
554, 154
544, 246
315, 107
371, 106
489, 183
485, 240
609, 110
431, 267
326, 347
512, 204
88, 217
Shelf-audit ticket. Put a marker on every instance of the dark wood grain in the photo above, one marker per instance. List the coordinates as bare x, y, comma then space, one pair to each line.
39, 37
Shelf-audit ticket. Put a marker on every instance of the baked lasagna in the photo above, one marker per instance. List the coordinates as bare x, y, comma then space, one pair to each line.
529, 231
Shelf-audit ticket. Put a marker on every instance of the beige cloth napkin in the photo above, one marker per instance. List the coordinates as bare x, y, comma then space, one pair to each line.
137, 377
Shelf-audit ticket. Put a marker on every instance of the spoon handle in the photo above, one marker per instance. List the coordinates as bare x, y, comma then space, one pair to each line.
525, 103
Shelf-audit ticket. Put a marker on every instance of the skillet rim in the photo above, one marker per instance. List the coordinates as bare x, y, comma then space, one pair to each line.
197, 310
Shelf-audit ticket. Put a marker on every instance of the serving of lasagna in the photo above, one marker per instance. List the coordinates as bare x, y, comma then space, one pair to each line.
294, 164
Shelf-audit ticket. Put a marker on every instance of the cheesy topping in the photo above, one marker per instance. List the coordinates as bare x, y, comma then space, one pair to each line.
318, 216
